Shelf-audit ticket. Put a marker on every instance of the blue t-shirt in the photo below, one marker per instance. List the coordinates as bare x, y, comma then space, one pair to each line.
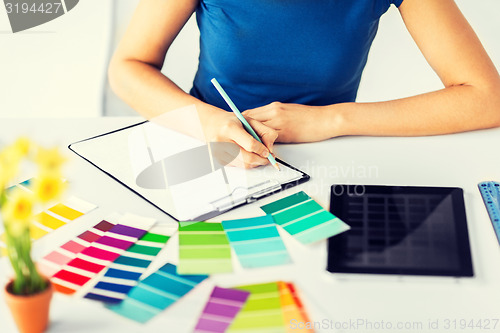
293, 51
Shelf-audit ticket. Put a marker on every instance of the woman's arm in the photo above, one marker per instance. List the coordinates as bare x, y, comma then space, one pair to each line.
469, 101
135, 75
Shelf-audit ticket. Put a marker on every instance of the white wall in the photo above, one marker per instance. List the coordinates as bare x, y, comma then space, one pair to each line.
180, 63
56, 69
62, 73
396, 68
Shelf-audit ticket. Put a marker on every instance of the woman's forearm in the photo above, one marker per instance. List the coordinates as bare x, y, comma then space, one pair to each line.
147, 90
152, 94
454, 109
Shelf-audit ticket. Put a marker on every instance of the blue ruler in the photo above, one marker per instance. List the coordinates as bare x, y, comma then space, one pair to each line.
490, 191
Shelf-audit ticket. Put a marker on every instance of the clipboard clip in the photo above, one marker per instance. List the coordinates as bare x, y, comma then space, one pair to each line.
242, 195
276, 186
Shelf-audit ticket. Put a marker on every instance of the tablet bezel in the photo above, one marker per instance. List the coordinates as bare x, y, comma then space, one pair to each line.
462, 236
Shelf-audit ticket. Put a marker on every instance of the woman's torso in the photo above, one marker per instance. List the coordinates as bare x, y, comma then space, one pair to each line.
294, 51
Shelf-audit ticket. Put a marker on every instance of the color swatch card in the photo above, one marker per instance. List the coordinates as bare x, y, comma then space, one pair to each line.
298, 302
256, 242
304, 218
55, 260
95, 258
220, 310
155, 293
57, 216
262, 311
203, 249
25, 186
124, 273
293, 310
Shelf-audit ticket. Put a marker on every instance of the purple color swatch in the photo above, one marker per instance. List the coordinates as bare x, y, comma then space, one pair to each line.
127, 231
114, 242
221, 309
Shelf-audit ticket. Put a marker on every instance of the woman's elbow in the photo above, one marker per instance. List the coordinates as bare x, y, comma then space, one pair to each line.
485, 105
114, 74
493, 100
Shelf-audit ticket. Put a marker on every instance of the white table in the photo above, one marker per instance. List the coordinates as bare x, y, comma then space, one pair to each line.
460, 160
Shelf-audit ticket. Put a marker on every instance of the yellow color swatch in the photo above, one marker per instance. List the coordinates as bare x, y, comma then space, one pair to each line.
65, 211
49, 221
36, 232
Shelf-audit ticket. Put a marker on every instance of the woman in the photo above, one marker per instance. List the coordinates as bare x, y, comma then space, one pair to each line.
295, 66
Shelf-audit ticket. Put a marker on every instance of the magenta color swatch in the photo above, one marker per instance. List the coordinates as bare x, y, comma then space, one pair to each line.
86, 265
94, 259
94, 252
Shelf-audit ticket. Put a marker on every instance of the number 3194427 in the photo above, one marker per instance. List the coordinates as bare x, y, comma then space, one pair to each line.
42, 8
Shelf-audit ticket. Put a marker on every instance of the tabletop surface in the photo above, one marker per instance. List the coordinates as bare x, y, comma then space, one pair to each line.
338, 303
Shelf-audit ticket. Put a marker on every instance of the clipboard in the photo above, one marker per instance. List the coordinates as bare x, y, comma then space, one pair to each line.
116, 153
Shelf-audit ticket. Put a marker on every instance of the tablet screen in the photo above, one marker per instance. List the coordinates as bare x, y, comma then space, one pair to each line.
400, 230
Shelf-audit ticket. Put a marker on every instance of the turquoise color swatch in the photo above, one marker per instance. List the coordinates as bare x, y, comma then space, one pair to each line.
304, 218
256, 242
203, 249
155, 293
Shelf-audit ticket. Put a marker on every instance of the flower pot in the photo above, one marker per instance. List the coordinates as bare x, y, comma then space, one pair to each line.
31, 313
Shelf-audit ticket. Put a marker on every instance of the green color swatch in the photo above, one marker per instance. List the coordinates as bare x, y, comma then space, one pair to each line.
203, 249
304, 218
262, 311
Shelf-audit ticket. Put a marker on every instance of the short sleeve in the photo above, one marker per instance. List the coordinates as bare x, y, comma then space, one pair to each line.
382, 6
396, 3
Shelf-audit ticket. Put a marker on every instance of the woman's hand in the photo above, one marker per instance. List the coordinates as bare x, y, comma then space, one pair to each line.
295, 122
222, 126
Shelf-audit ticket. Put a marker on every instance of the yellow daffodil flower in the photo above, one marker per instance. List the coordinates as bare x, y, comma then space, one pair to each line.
22, 146
9, 164
48, 186
49, 160
18, 208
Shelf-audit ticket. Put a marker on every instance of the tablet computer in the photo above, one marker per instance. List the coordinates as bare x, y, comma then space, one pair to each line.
400, 230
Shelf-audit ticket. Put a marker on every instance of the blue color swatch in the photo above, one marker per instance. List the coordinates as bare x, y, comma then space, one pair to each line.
155, 293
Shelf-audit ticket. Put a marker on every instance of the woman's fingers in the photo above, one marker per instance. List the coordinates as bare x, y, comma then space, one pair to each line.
241, 137
248, 160
267, 134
